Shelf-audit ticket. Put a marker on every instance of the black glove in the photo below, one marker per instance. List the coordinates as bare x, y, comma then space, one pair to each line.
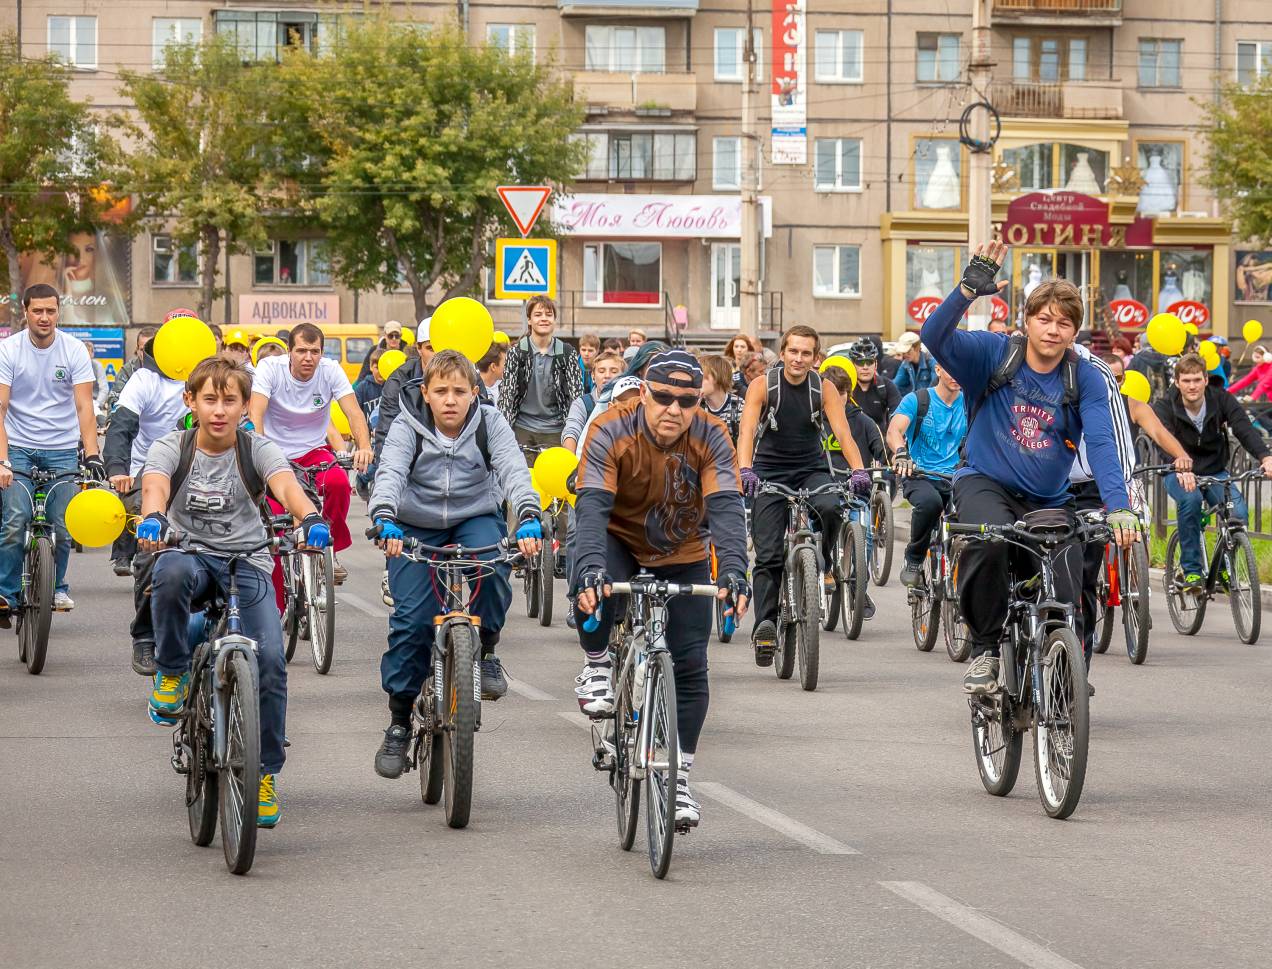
594, 578
95, 467
979, 275
737, 585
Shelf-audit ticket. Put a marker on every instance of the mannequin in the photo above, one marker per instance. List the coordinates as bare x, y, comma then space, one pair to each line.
1034, 279
1170, 292
1157, 197
1083, 177
942, 189
1122, 290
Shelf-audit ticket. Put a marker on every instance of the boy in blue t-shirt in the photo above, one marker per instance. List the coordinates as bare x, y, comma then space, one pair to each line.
931, 443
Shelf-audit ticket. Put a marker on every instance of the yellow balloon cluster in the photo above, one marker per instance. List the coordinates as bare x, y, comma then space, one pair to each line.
552, 469
462, 324
1191, 329
1166, 334
1135, 385
95, 517
1252, 330
837, 360
389, 361
181, 345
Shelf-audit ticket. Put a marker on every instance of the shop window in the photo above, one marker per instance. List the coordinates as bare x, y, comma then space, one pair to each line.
1161, 165
838, 56
172, 262
937, 58
1083, 169
513, 39
1033, 166
173, 30
932, 271
1253, 277
837, 271
291, 262
730, 43
622, 274
1254, 59
1184, 274
625, 50
837, 164
937, 171
1159, 62
1127, 275
726, 163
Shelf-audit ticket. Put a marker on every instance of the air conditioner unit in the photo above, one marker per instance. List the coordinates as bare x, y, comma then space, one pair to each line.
162, 245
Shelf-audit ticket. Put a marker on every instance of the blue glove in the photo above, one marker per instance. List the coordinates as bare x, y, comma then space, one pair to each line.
750, 482
316, 531
860, 482
389, 529
152, 529
530, 528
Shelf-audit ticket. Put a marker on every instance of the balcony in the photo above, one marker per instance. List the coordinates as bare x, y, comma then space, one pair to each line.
1080, 13
628, 8
1089, 100
649, 95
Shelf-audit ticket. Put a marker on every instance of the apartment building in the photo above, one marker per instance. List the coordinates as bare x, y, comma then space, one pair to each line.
1097, 163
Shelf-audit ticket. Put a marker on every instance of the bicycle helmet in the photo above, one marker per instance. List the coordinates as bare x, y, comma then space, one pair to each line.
863, 351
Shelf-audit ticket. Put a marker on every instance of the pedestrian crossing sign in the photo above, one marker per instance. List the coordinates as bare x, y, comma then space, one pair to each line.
525, 267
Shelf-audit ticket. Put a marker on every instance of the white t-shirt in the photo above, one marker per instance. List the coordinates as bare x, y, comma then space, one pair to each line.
157, 402
298, 412
41, 386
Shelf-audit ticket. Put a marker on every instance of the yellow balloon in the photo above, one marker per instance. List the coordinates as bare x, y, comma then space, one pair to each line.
1252, 330
544, 498
837, 360
390, 360
1191, 329
553, 468
408, 336
338, 418
1135, 385
462, 324
501, 337
1213, 363
95, 517
181, 345
1208, 351
1166, 334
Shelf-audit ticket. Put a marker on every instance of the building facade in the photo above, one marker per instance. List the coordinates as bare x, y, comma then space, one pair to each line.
1097, 164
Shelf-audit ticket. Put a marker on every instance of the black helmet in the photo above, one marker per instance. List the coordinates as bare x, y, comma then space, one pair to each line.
863, 351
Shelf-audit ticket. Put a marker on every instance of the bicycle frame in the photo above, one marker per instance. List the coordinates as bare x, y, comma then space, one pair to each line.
645, 637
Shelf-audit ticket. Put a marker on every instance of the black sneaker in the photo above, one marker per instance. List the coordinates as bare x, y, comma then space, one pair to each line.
122, 567
868, 610
764, 639
493, 683
911, 575
982, 676
390, 759
144, 659
570, 620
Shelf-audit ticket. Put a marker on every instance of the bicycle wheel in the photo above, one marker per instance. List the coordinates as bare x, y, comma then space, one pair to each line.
957, 646
787, 649
201, 782
460, 706
856, 578
428, 745
925, 610
1186, 609
293, 597
997, 745
834, 600
808, 581
37, 604
547, 573
1244, 594
1061, 725
530, 585
626, 787
881, 525
241, 780
662, 759
320, 584
1136, 618
1102, 635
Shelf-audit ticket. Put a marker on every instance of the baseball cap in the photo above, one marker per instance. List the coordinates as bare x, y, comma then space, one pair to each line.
662, 366
907, 341
421, 331
237, 338
393, 326
622, 385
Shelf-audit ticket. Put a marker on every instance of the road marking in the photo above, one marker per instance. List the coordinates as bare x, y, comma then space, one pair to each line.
372, 609
796, 831
980, 926
526, 690
578, 718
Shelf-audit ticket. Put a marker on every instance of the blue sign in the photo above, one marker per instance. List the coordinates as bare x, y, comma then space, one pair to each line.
524, 268
108, 345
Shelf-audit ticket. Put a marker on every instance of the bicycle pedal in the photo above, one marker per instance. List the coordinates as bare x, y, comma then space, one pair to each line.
684, 827
162, 721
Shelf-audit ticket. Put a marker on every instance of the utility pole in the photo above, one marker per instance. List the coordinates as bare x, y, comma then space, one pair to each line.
749, 283
979, 214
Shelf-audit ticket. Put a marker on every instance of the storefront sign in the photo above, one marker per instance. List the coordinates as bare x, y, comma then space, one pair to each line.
923, 307
1129, 314
790, 65
282, 309
655, 216
108, 345
1190, 311
998, 309
1069, 219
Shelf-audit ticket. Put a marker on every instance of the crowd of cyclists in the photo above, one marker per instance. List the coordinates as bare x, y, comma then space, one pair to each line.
685, 463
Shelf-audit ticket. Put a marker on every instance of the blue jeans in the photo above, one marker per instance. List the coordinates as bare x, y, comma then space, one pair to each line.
1188, 517
16, 502
183, 581
406, 662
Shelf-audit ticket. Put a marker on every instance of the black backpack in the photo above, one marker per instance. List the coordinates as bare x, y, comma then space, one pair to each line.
773, 383
1007, 369
482, 435
252, 480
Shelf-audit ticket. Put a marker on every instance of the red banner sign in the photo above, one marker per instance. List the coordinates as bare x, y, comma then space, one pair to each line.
920, 309
998, 309
1190, 311
1129, 314
1059, 219
786, 40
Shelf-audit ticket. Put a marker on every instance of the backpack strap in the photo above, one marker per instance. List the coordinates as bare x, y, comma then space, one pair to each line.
1001, 376
252, 481
483, 439
184, 461
589, 403
923, 400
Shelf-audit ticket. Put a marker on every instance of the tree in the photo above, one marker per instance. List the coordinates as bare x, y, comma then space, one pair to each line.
409, 133
1239, 156
207, 160
53, 153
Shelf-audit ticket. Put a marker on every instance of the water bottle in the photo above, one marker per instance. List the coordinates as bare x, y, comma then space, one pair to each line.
638, 680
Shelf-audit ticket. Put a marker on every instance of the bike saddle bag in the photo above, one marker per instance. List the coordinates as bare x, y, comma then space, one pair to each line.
1048, 521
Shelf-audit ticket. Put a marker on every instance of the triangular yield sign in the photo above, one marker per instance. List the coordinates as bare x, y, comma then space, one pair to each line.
524, 203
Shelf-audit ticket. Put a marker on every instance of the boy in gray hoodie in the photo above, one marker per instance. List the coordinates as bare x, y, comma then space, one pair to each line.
444, 466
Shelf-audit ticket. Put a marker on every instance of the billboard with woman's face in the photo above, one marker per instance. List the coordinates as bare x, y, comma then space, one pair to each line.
92, 279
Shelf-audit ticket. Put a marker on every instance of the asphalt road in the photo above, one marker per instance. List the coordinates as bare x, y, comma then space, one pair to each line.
845, 827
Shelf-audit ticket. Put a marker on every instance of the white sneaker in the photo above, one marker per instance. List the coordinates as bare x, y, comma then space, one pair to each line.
62, 602
688, 811
595, 690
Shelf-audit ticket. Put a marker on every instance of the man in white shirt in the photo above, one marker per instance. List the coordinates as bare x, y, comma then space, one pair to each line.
46, 410
291, 401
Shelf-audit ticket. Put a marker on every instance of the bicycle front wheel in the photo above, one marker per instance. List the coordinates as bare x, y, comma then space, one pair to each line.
201, 782
37, 606
856, 578
808, 623
241, 780
1110, 573
460, 706
1186, 609
662, 759
1244, 594
545, 586
1136, 619
1062, 724
881, 525
626, 787
321, 587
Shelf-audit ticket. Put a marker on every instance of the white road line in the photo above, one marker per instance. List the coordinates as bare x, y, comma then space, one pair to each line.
979, 926
796, 831
373, 609
578, 718
524, 689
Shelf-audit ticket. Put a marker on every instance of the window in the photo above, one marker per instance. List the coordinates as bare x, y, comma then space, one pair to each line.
1033, 164
622, 274
837, 271
626, 50
1077, 59
937, 182
1161, 165
291, 262
838, 56
74, 40
513, 39
1048, 60
597, 166
660, 156
1254, 59
837, 164
1159, 62
938, 58
932, 271
729, 53
261, 34
726, 163
173, 30
173, 262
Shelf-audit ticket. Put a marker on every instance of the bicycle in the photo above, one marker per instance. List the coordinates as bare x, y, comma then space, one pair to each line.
1124, 581
1231, 568
882, 527
1042, 668
216, 744
538, 574
309, 582
643, 743
933, 599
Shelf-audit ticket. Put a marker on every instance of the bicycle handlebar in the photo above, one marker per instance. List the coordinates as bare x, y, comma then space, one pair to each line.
801, 494
659, 588
1207, 479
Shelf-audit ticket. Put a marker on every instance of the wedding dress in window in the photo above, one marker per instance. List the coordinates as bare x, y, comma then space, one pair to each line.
1170, 292
1035, 277
1157, 197
942, 189
1083, 177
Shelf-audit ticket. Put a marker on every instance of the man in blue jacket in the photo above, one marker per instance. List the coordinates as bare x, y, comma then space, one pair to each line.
1023, 428
917, 369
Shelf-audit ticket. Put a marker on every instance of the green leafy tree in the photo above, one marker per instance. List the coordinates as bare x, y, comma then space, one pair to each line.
408, 133
1239, 156
53, 156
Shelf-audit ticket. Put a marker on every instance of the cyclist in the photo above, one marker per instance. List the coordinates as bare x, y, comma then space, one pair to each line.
443, 471
926, 434
717, 392
46, 411
197, 482
391, 392
491, 369
237, 346
1033, 398
1200, 415
788, 407
875, 393
542, 378
917, 369
291, 404
658, 475
605, 370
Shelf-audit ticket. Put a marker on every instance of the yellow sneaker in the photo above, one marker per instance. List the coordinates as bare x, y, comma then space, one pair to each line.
168, 694
268, 810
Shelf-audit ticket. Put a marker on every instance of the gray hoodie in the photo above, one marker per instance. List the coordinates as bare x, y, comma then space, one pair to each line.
429, 480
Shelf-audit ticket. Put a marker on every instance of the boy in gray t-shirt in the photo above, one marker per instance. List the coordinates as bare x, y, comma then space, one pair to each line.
212, 506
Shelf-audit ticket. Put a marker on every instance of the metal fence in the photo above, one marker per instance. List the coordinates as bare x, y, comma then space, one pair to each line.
1257, 492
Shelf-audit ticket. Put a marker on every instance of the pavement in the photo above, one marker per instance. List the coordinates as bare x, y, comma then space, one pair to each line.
841, 828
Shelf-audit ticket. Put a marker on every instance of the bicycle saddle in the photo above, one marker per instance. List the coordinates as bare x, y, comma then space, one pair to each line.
1047, 521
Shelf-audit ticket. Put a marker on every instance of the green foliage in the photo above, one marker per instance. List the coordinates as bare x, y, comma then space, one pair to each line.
1239, 157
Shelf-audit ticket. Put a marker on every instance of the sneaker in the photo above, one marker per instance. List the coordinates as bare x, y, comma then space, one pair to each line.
385, 595
982, 676
688, 811
6, 613
338, 572
62, 602
911, 575
363, 488
868, 610
268, 810
595, 690
122, 567
1193, 582
764, 640
570, 621
493, 683
390, 759
168, 694
143, 662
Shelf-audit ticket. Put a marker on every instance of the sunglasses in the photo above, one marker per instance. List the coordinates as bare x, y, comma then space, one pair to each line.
665, 398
